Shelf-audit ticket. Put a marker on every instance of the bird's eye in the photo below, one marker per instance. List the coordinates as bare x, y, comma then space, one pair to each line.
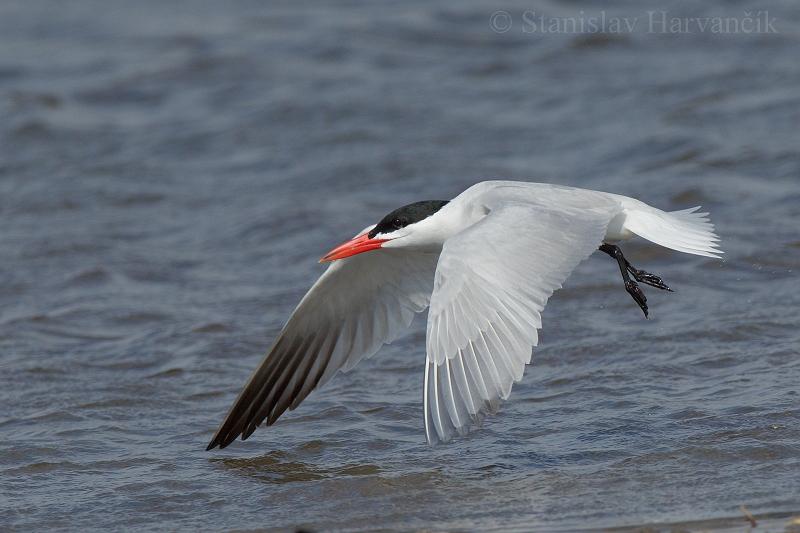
397, 223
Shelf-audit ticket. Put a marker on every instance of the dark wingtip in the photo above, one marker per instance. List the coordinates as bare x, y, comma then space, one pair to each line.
248, 431
217, 441
213, 444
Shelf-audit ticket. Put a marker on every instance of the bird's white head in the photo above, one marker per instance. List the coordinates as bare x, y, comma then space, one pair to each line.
411, 226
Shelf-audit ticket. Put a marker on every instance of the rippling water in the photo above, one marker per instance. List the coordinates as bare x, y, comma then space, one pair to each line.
170, 173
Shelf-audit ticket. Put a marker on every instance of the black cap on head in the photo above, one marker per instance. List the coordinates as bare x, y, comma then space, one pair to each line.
408, 214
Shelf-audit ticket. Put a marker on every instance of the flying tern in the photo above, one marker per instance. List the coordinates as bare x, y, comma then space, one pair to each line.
485, 264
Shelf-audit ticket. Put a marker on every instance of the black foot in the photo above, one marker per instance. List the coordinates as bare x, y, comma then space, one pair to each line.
631, 286
638, 296
648, 279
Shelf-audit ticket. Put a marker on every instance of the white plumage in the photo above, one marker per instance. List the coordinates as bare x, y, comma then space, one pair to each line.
486, 263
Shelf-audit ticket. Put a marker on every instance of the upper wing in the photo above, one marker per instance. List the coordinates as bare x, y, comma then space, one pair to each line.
356, 306
491, 285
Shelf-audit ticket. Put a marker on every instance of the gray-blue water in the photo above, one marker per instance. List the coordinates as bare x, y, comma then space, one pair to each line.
170, 172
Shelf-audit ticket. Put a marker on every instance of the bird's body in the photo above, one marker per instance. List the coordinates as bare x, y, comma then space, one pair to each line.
485, 263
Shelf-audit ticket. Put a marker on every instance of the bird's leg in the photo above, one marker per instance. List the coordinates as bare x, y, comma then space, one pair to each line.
639, 275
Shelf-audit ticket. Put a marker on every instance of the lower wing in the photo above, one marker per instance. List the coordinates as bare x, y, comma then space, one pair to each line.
491, 285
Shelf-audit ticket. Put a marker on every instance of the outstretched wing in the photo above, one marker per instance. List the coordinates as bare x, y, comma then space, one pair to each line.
491, 284
356, 306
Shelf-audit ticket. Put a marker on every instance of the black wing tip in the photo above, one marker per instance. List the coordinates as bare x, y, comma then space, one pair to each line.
271, 390
218, 440
223, 441
214, 443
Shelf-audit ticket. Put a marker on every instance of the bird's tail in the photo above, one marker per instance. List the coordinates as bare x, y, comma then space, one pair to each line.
685, 231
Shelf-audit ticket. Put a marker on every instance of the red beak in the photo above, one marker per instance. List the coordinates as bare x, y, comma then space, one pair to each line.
354, 246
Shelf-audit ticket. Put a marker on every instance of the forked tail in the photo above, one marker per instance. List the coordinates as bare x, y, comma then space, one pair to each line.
685, 231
